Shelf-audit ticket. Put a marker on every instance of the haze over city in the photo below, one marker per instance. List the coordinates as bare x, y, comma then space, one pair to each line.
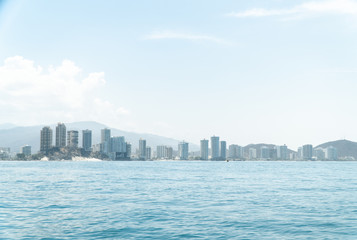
281, 72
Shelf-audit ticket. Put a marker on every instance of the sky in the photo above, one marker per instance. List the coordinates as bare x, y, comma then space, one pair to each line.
259, 71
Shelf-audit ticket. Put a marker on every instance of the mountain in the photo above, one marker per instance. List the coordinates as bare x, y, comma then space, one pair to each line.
7, 125
345, 148
17, 137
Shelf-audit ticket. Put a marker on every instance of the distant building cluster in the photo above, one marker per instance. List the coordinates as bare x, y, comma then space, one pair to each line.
69, 143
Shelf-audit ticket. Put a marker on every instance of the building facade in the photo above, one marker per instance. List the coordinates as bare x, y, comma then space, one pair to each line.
235, 151
148, 153
307, 152
331, 153
117, 148
72, 139
26, 150
183, 150
264, 153
142, 149
223, 154
164, 152
46, 139
60, 135
252, 153
128, 150
215, 148
282, 152
204, 149
87, 140
105, 140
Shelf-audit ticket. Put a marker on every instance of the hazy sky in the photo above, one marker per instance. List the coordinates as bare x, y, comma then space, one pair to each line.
274, 71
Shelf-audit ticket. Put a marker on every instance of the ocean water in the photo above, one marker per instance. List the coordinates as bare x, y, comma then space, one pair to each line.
178, 200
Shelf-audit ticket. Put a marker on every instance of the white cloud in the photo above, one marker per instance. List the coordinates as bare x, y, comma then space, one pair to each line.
31, 95
344, 7
183, 36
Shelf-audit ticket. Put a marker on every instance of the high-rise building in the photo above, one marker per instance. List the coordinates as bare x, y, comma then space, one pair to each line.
105, 135
142, 149
87, 140
252, 153
234, 151
204, 149
307, 152
128, 150
223, 155
332, 153
164, 152
72, 139
105, 140
118, 144
215, 148
282, 152
169, 153
60, 135
26, 150
264, 152
319, 153
299, 153
161, 152
148, 153
46, 139
117, 148
183, 150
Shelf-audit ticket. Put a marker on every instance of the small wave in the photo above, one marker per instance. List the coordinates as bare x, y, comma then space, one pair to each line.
78, 159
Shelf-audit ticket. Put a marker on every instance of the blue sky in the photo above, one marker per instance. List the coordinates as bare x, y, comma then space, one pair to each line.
281, 72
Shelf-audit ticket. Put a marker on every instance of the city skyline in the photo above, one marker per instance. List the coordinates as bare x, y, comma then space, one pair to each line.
255, 71
116, 148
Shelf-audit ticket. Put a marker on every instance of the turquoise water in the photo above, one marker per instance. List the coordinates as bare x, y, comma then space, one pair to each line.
178, 200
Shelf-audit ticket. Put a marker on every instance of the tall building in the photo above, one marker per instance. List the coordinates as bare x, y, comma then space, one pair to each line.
299, 153
183, 150
273, 153
235, 151
117, 148
282, 152
331, 153
87, 140
128, 150
72, 139
142, 149
169, 153
204, 149
223, 155
252, 153
46, 139
215, 148
319, 153
307, 152
164, 152
118, 144
26, 150
148, 153
264, 152
60, 135
105, 140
